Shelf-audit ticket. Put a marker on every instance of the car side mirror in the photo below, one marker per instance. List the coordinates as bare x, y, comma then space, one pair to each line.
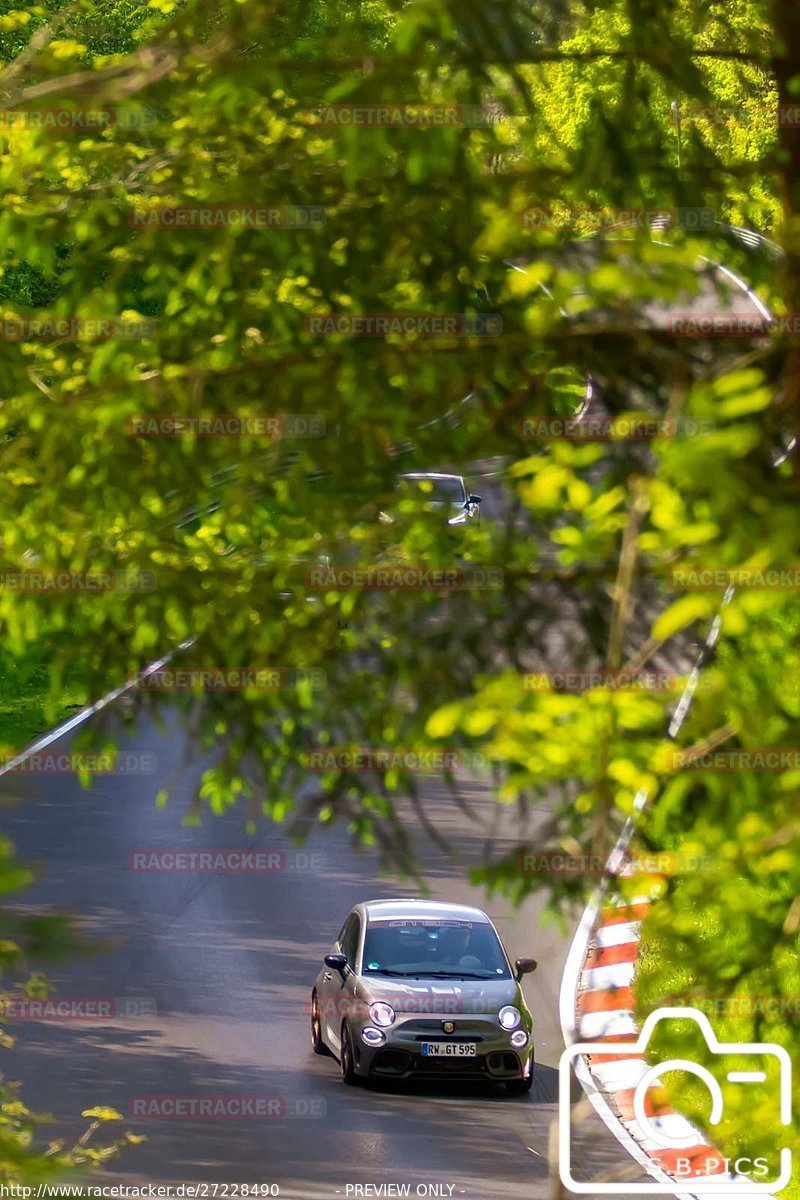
524, 966
337, 962
474, 500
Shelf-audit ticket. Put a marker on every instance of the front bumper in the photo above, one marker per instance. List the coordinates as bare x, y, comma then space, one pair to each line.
400, 1055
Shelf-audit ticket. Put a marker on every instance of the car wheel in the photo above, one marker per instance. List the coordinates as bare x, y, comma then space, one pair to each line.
347, 1061
519, 1087
317, 1044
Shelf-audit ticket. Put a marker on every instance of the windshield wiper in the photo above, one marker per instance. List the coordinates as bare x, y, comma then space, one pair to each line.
455, 975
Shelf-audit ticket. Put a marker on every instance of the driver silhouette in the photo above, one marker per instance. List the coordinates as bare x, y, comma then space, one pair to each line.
456, 946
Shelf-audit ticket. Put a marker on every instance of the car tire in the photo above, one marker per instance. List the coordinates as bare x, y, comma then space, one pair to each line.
346, 1060
317, 1044
520, 1087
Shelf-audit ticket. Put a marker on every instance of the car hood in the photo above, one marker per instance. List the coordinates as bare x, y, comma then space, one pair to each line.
441, 995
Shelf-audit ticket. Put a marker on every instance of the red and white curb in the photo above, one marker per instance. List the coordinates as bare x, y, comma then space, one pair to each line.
597, 1005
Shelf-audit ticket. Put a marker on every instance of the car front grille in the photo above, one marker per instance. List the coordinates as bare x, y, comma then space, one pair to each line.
469, 1029
450, 1037
503, 1061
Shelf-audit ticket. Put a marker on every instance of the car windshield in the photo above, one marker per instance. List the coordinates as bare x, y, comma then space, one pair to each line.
437, 491
434, 949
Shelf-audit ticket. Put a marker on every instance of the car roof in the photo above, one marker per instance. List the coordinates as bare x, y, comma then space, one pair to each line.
429, 475
397, 908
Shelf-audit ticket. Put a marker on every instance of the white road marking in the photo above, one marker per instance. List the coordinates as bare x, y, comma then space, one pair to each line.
607, 1024
603, 979
620, 1076
618, 935
672, 1125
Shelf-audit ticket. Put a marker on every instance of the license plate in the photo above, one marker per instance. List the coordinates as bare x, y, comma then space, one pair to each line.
450, 1049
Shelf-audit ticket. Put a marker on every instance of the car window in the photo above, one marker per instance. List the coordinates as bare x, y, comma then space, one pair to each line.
435, 491
348, 939
449, 489
434, 947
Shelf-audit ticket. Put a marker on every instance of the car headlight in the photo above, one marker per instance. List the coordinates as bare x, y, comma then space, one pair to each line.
372, 1037
519, 1039
381, 1014
509, 1017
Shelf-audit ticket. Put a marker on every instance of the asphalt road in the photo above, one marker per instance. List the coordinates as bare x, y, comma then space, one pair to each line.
215, 971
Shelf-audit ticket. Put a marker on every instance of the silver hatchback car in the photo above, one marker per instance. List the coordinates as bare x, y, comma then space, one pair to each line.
415, 988
437, 492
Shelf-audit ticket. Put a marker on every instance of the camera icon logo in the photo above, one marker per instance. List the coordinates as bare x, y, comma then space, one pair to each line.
674, 1132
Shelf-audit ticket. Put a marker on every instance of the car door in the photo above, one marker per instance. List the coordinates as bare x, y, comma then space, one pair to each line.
337, 993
